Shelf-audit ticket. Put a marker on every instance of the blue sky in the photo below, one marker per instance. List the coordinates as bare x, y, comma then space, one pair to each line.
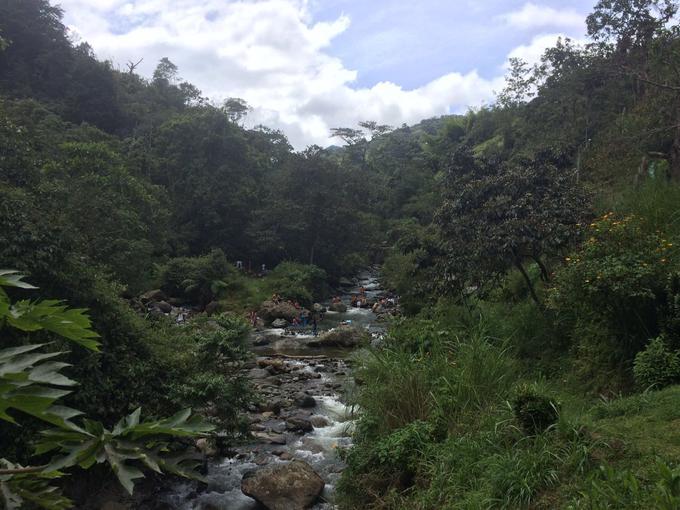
309, 65
412, 43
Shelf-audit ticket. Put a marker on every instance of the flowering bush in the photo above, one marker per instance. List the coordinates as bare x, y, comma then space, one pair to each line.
618, 278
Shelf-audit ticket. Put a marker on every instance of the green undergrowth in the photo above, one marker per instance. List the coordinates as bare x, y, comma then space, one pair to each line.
451, 419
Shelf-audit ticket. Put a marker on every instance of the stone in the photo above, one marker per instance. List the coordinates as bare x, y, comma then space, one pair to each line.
213, 308
261, 341
204, 446
344, 282
338, 307
270, 311
153, 295
343, 336
305, 401
279, 323
291, 486
258, 373
319, 421
270, 438
299, 424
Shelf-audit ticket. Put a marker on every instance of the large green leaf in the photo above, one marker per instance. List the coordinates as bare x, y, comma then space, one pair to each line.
130, 445
54, 316
20, 490
31, 382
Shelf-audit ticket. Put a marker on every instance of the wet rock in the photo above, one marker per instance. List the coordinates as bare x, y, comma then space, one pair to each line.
292, 486
338, 307
299, 424
261, 340
153, 295
273, 406
258, 373
270, 438
204, 446
305, 401
270, 311
343, 336
319, 421
279, 323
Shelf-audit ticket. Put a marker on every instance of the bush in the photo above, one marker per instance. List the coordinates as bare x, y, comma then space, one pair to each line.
196, 279
220, 398
656, 366
617, 282
534, 411
298, 282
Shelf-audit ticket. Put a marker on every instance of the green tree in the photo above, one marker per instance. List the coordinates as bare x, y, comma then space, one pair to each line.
498, 215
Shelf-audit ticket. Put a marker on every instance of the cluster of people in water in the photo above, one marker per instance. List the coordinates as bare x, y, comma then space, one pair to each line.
360, 300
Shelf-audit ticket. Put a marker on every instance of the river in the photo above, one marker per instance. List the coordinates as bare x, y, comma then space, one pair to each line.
286, 377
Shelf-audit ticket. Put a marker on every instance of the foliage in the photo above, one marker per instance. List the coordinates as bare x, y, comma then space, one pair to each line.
615, 488
31, 382
498, 215
617, 279
534, 411
656, 366
196, 279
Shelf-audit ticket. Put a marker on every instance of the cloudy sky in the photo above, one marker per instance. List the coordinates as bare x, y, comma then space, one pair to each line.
308, 65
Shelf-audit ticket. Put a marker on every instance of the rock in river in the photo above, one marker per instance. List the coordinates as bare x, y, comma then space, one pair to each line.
270, 311
279, 323
343, 336
292, 486
338, 307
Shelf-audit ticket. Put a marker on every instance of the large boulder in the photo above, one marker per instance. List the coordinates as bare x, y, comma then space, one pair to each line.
292, 486
153, 295
343, 336
338, 307
270, 311
279, 323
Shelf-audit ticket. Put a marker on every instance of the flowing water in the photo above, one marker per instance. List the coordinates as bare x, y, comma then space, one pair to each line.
323, 374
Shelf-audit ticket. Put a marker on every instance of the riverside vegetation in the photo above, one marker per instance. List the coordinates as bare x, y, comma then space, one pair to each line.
533, 244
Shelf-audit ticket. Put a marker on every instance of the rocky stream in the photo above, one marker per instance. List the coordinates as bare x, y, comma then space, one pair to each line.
301, 420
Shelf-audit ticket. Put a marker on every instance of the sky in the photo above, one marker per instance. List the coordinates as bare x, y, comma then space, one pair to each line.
306, 66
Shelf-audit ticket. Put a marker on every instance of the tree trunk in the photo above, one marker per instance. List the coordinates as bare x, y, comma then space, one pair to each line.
545, 274
675, 150
530, 285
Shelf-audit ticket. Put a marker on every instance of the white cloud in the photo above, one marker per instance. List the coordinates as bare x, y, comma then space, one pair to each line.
532, 16
272, 54
532, 52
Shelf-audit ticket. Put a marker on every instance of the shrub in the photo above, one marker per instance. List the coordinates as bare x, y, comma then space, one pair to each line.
196, 279
618, 281
298, 282
220, 397
534, 411
656, 365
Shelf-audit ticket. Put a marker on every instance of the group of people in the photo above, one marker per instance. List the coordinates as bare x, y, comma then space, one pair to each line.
360, 300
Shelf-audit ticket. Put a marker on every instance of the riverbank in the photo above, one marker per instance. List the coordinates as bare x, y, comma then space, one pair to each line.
300, 413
